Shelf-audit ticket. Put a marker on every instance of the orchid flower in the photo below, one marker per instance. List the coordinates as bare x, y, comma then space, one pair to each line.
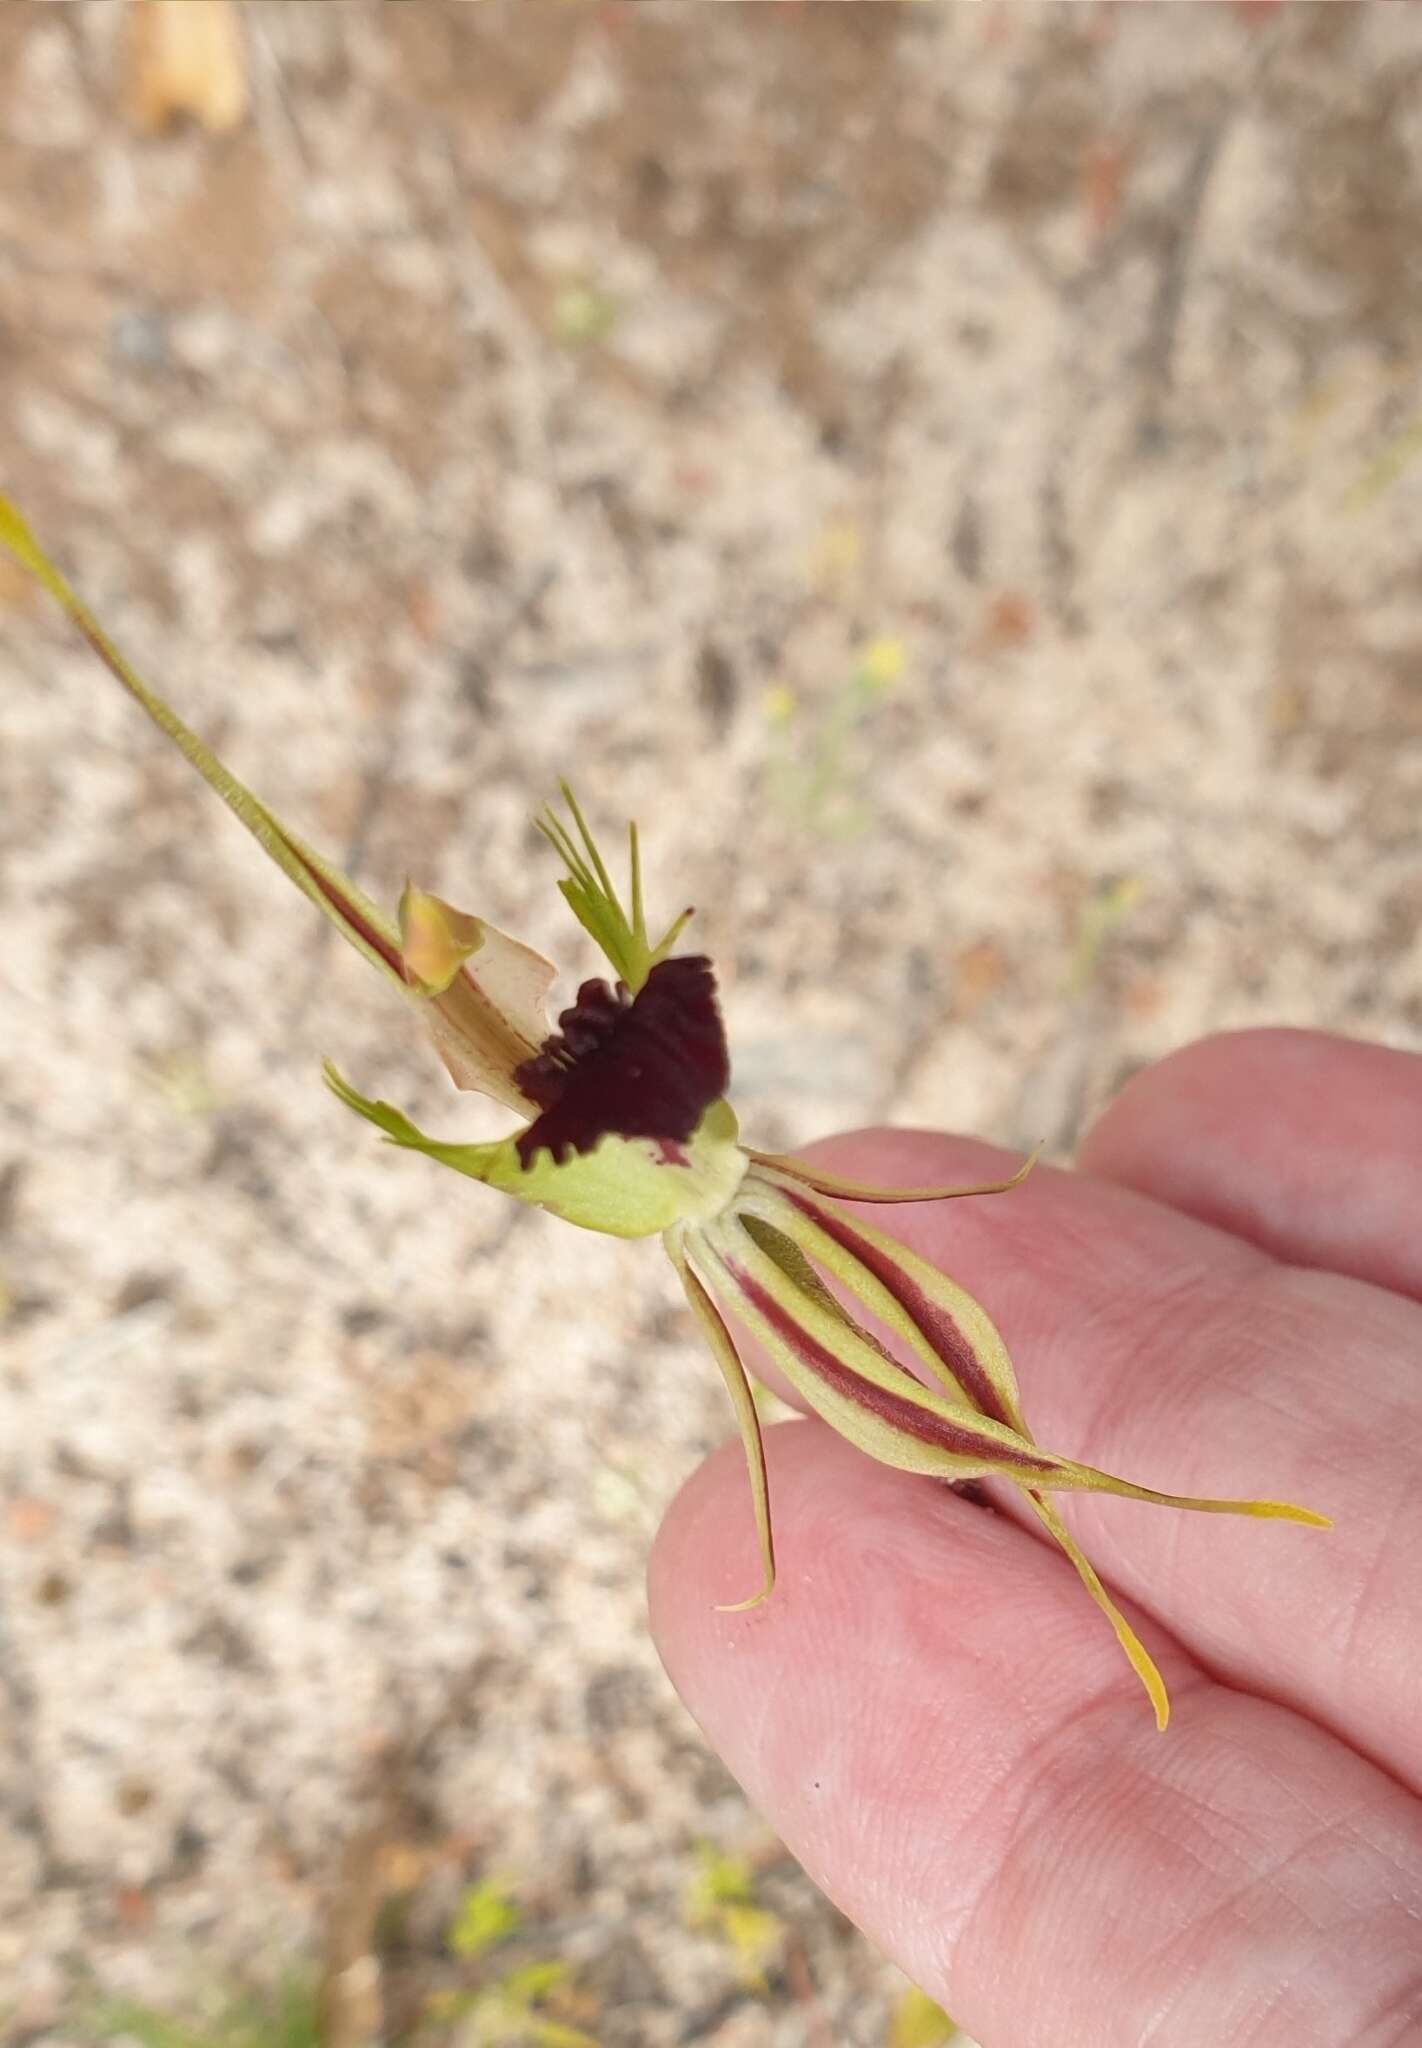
625, 1128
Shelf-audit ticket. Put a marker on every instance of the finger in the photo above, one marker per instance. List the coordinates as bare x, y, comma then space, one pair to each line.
930, 1719
1307, 1145
1173, 1355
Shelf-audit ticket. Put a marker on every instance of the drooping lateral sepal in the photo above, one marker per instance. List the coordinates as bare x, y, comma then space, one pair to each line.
765, 1276
951, 1335
761, 1276
1142, 1663
723, 1350
945, 1327
768, 1266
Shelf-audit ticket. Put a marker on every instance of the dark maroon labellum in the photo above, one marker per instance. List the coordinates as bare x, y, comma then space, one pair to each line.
645, 1067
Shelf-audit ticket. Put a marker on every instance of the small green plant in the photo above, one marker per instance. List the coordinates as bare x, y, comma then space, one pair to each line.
288, 2018
487, 1915
582, 313
1105, 910
721, 1899
526, 2006
511, 2013
811, 775
1387, 467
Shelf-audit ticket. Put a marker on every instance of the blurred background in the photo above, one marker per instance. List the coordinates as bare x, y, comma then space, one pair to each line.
954, 474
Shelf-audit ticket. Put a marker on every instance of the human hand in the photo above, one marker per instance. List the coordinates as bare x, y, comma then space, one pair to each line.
1226, 1298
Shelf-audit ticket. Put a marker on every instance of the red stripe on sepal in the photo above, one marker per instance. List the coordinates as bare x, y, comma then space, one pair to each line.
940, 1332
899, 1411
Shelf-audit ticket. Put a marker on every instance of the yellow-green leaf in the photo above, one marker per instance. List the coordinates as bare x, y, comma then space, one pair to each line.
486, 1916
919, 2023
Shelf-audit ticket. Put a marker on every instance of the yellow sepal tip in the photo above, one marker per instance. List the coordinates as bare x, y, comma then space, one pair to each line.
1287, 1511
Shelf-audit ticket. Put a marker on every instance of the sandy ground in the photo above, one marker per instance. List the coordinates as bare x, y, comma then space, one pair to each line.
553, 388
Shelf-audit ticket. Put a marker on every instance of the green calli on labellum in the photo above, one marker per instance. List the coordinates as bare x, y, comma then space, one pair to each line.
625, 1128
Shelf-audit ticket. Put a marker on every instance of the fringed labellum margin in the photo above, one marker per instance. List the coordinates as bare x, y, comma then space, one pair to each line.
626, 1129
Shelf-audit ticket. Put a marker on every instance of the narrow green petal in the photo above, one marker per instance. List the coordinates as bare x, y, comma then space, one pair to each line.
724, 1352
634, 869
1141, 1660
334, 894
803, 1174
478, 1161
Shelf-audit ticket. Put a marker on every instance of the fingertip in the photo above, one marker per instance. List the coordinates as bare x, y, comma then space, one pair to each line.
894, 1675
1301, 1142
1206, 1083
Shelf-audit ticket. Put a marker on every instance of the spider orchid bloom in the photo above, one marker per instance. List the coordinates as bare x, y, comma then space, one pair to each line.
626, 1129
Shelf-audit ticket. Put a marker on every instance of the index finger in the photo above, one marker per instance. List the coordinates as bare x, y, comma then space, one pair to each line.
1306, 1144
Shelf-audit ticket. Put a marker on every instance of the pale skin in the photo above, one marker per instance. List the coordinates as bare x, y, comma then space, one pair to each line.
1224, 1297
